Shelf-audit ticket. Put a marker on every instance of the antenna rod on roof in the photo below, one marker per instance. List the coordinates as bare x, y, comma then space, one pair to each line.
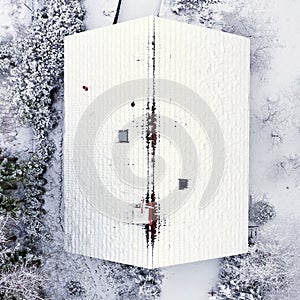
117, 12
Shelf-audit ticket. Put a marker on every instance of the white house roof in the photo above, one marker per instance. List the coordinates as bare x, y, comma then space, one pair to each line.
163, 123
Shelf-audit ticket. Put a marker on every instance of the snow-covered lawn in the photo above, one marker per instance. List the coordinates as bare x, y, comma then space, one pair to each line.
190, 281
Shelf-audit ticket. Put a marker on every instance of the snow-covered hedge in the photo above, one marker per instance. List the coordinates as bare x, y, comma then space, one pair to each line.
32, 68
33, 65
10, 178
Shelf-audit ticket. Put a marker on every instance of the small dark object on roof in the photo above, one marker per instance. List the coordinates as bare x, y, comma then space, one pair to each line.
123, 136
183, 184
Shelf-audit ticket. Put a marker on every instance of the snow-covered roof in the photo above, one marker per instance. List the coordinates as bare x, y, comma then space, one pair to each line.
181, 92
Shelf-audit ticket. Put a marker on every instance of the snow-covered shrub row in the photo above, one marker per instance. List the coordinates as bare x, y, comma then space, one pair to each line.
11, 175
32, 213
19, 278
134, 283
201, 11
36, 63
27, 176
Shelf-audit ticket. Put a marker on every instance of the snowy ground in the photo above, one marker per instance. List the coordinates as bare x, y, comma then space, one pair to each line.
277, 90
275, 145
132, 9
99, 13
189, 281
14, 17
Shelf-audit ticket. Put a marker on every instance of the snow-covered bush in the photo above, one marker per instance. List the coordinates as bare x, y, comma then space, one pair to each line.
134, 283
258, 274
5, 59
201, 11
75, 288
6, 222
8, 205
10, 174
261, 211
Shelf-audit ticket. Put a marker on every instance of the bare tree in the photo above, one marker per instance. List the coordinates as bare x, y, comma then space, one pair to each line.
21, 282
19, 279
248, 18
271, 119
289, 166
